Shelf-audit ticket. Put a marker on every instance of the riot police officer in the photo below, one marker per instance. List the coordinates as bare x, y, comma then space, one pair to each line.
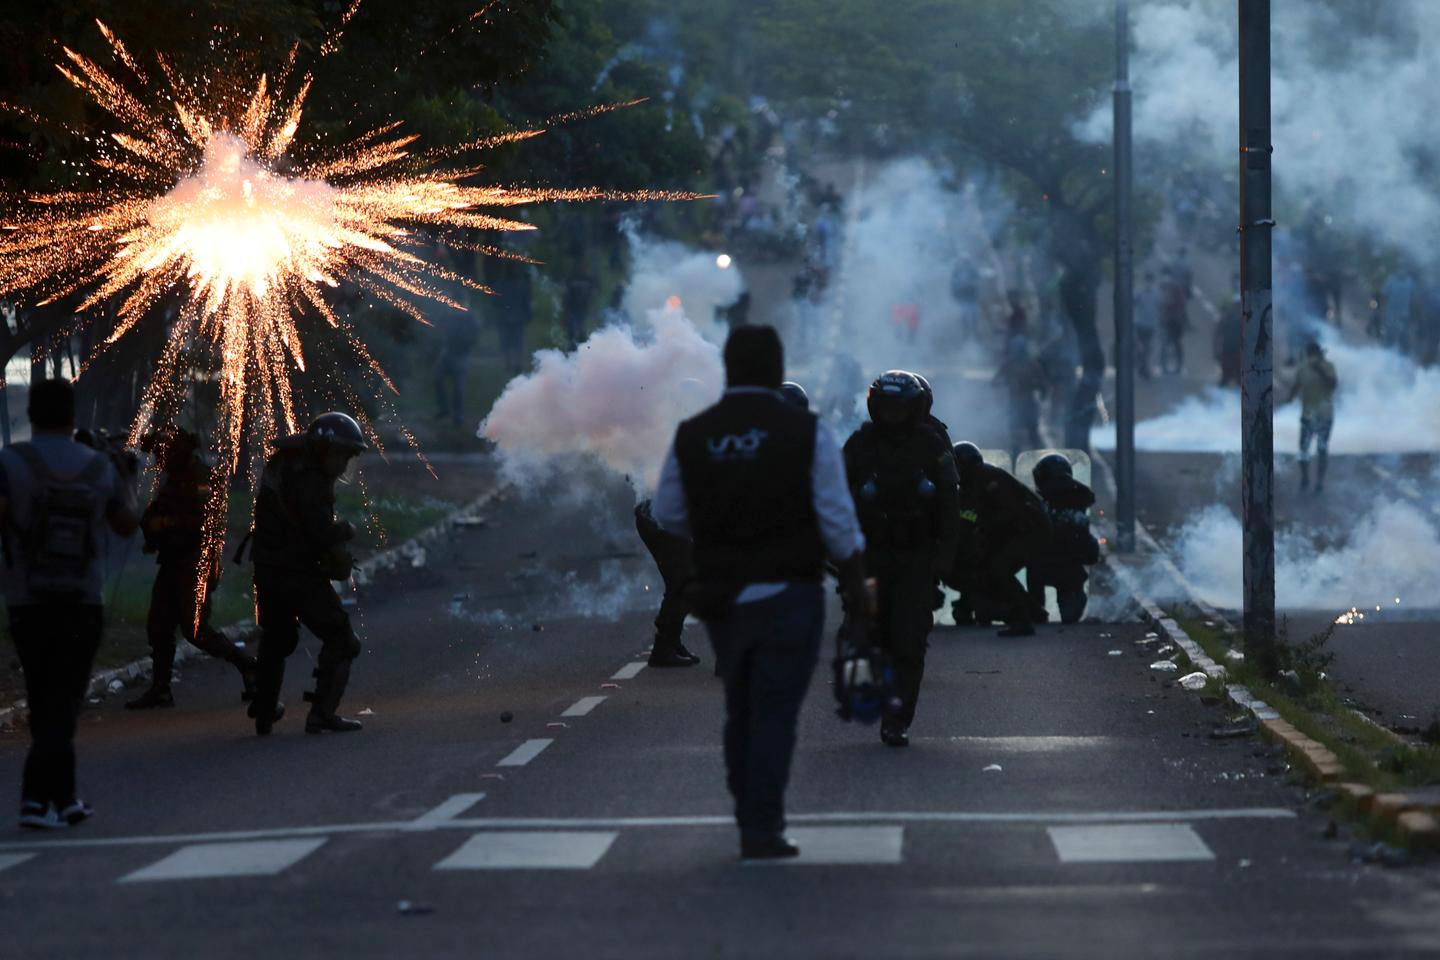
1072, 546
902, 476
970, 607
674, 558
1013, 529
299, 547
173, 526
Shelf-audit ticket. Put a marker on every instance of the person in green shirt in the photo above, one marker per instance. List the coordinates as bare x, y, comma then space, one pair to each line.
1315, 383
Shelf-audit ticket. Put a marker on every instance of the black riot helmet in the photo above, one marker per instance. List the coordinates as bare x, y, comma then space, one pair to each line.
968, 459
792, 392
335, 440
1050, 468
896, 399
928, 403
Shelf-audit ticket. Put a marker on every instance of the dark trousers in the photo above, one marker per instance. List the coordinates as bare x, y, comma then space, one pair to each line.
285, 598
904, 621
767, 652
56, 644
672, 556
1002, 563
1068, 579
172, 607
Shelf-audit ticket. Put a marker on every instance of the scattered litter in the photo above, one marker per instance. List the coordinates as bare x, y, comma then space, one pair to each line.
1209, 623
1114, 653
1152, 635
1165, 666
93, 700
1106, 636
1234, 656
1194, 681
367, 712
609, 686
1234, 731
1164, 649
116, 685
470, 521
409, 908
993, 768
1381, 853
506, 716
1150, 712
558, 723
1244, 864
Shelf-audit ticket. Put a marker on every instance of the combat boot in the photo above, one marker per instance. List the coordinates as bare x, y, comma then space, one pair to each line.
265, 720
330, 683
671, 653
248, 667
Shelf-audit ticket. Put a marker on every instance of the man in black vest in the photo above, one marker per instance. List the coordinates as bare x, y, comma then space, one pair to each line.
757, 483
902, 474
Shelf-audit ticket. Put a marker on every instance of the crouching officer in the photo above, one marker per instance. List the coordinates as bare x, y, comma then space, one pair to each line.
902, 476
1013, 530
1072, 546
298, 548
173, 526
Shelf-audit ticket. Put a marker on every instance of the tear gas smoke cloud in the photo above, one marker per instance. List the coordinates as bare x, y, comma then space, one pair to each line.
1392, 551
1348, 126
1385, 404
618, 398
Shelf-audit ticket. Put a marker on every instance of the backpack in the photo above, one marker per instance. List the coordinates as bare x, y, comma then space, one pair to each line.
896, 499
60, 541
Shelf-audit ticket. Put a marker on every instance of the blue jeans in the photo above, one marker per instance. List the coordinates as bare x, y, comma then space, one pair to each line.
766, 652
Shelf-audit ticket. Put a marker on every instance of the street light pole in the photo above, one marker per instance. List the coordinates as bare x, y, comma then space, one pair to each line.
1257, 377
1124, 293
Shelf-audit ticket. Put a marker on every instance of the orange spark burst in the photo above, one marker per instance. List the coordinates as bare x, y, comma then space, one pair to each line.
205, 206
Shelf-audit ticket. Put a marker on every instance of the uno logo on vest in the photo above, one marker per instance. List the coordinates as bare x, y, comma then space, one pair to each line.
744, 446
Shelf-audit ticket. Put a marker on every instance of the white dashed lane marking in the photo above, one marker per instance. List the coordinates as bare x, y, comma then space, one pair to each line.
259, 858
630, 671
582, 706
8, 860
1130, 843
526, 752
521, 850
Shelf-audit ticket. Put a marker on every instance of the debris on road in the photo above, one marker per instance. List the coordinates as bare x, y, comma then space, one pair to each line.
1234, 731
1194, 681
1381, 853
116, 685
367, 712
993, 768
1115, 653
408, 908
1165, 666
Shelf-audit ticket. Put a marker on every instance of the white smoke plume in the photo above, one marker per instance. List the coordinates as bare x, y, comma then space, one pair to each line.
1346, 90
666, 276
1391, 554
617, 399
1385, 403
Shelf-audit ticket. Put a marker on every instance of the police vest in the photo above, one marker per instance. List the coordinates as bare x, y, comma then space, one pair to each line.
896, 484
745, 467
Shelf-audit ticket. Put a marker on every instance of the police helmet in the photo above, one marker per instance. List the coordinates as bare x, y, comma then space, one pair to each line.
865, 687
336, 431
896, 399
968, 458
928, 403
1050, 468
794, 393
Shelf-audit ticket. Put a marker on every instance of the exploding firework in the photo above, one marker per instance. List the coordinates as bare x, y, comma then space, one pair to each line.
208, 207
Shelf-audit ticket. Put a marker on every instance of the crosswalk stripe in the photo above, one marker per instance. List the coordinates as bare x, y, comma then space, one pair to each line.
249, 859
630, 671
8, 860
446, 811
845, 845
530, 850
526, 752
582, 706
1129, 843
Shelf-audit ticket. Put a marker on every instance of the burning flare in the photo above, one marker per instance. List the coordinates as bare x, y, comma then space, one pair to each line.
208, 206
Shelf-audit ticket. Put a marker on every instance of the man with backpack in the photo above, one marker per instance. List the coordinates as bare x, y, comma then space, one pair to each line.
57, 497
902, 476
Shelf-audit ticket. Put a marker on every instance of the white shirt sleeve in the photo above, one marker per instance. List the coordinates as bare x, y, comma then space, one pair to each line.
670, 508
834, 507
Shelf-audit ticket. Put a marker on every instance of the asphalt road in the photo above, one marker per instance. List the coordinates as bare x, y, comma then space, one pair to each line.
1058, 801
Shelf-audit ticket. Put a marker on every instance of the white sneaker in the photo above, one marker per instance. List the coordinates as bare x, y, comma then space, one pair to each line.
76, 811
40, 816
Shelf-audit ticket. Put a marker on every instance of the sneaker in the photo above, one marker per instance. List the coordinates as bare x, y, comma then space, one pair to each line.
767, 846
894, 735
320, 723
40, 816
76, 811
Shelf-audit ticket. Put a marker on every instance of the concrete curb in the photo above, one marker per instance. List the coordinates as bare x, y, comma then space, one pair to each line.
411, 553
